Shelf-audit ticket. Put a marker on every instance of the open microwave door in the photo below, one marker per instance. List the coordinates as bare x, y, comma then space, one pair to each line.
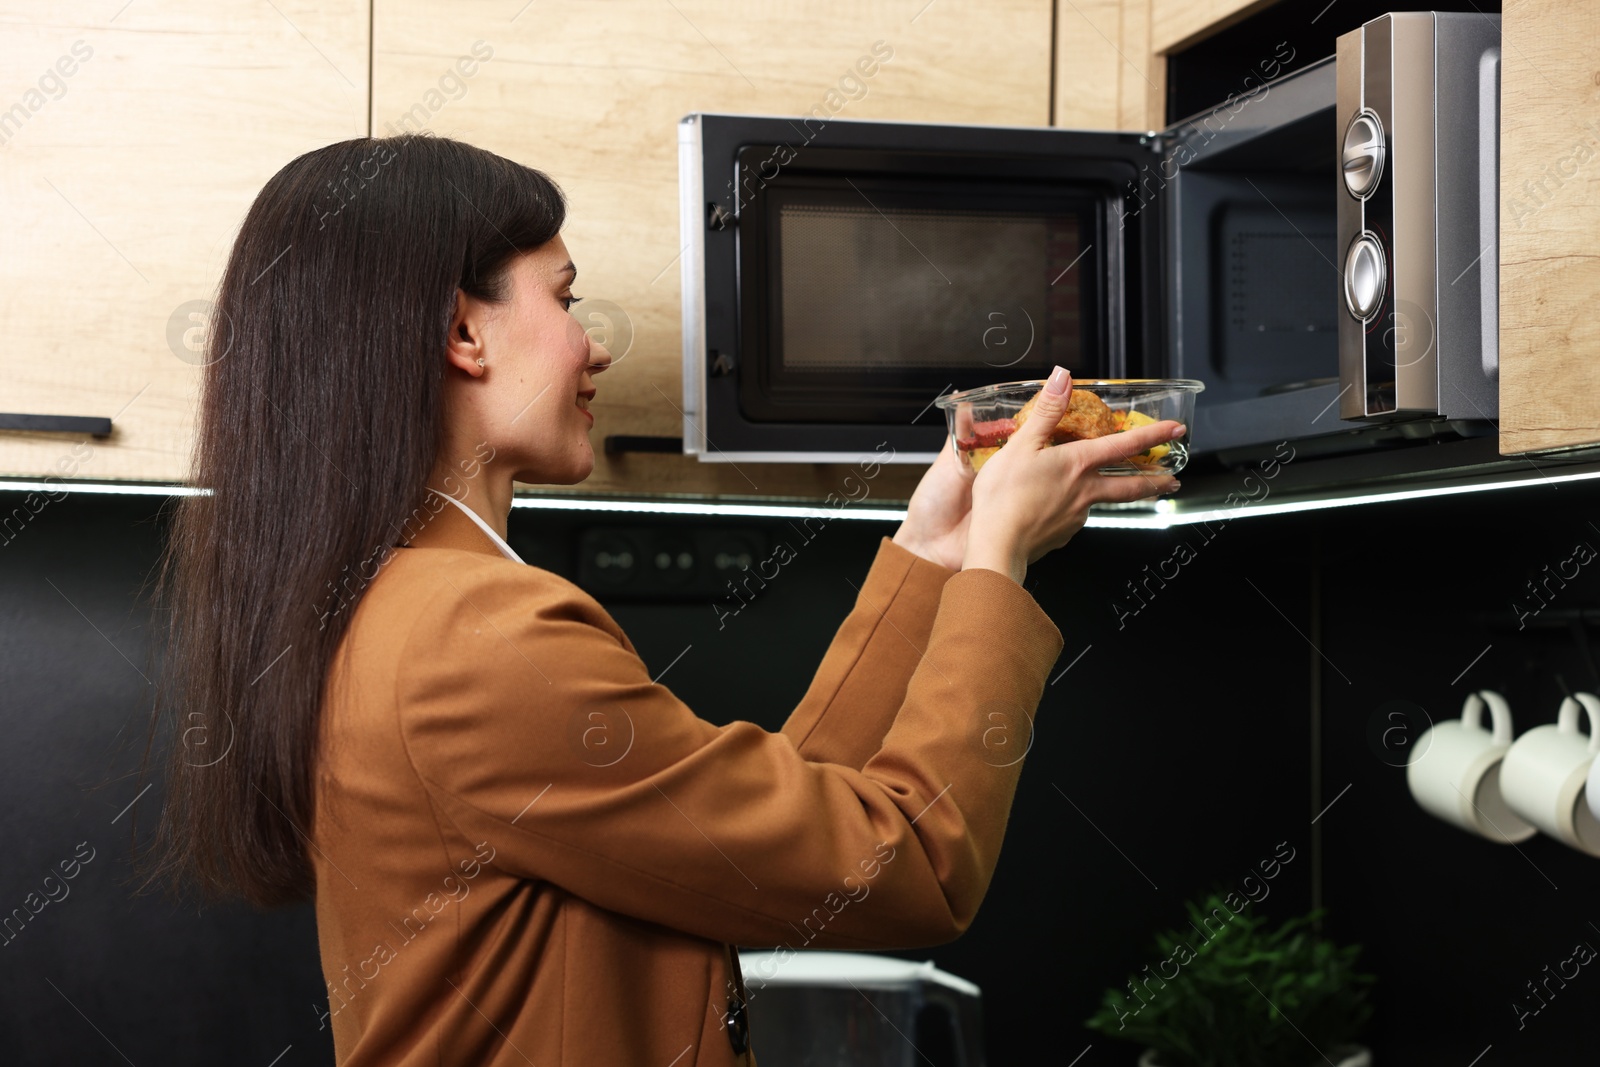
838, 276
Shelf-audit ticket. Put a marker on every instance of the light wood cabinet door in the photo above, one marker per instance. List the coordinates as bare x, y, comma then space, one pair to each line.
1107, 74
592, 94
1111, 56
131, 145
1549, 225
1177, 24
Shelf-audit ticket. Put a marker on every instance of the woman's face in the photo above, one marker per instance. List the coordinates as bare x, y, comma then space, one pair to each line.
530, 399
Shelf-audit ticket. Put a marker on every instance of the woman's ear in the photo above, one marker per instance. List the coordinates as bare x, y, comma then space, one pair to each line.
464, 347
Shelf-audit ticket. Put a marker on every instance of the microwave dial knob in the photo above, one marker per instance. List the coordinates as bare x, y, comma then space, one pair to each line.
1365, 276
1363, 154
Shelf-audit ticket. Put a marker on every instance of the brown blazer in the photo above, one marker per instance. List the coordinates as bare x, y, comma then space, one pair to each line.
528, 852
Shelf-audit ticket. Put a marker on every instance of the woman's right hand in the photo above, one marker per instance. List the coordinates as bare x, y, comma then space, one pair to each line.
1031, 497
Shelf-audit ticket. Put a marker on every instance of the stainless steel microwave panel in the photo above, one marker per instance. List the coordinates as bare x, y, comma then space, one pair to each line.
1418, 131
1468, 193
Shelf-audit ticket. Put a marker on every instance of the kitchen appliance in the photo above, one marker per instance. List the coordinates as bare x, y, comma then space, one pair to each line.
840, 275
1418, 221
855, 1009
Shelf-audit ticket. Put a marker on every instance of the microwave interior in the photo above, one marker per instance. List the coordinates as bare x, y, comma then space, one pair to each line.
1252, 239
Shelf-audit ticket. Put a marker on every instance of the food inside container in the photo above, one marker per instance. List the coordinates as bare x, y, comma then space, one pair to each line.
982, 420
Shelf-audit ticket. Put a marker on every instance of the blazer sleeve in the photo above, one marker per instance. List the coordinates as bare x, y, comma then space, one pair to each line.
853, 698
534, 727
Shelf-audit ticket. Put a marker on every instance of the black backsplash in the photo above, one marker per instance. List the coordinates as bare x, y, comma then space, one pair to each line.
1181, 740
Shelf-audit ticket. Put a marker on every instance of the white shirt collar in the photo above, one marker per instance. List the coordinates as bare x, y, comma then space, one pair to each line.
499, 542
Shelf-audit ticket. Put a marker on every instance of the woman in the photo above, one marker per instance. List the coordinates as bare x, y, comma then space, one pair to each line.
521, 849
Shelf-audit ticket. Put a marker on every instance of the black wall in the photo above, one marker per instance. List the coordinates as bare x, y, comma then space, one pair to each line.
1186, 744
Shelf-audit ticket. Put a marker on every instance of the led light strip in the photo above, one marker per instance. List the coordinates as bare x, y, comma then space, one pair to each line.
667, 507
69, 487
549, 503
1168, 515
1165, 515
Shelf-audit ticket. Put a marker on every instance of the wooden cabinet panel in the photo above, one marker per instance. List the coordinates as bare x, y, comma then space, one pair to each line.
1089, 61
1106, 76
1144, 78
592, 95
124, 183
1177, 24
1549, 225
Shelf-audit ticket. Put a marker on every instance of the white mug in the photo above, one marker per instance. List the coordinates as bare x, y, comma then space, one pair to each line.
1454, 771
1593, 789
1544, 776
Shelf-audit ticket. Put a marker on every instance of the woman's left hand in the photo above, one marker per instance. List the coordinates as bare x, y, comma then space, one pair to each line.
940, 511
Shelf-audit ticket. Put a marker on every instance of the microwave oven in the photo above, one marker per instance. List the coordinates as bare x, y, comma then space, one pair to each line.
840, 275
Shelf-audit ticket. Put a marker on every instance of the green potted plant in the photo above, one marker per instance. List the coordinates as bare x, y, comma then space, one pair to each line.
1235, 991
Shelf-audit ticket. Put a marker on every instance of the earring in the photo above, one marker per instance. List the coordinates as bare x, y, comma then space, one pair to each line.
480, 361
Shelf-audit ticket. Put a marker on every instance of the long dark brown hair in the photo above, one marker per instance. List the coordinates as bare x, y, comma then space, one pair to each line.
319, 424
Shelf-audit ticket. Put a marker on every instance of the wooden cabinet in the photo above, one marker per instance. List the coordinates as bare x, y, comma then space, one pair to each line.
1549, 225
131, 145
592, 96
123, 195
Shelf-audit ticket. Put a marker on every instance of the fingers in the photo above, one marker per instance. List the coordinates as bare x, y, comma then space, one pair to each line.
1115, 447
1045, 414
949, 457
1124, 489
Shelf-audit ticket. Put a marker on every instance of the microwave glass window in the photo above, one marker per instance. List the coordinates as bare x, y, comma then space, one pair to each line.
863, 288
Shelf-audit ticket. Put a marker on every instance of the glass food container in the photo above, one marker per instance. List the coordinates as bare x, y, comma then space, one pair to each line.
981, 420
